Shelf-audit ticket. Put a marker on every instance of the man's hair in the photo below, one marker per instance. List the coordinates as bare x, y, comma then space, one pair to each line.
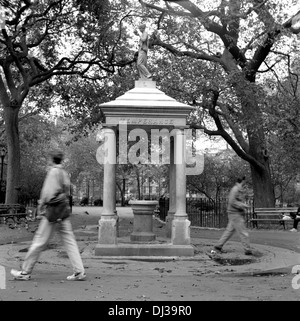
57, 156
142, 26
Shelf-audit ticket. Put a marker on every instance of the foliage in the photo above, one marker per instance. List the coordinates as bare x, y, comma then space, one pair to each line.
38, 136
42, 41
216, 56
221, 170
239, 43
45, 135
282, 125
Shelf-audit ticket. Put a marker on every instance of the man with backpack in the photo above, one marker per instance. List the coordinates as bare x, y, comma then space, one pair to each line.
55, 189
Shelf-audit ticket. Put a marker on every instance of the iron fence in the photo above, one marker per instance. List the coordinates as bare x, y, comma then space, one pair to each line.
204, 212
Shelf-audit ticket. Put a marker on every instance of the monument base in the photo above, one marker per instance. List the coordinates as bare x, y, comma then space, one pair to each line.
169, 220
143, 250
143, 220
142, 237
180, 231
107, 233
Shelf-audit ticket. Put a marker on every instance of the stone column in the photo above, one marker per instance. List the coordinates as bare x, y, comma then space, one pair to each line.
172, 190
180, 224
107, 233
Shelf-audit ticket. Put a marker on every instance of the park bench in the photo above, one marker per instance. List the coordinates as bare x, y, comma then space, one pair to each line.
272, 215
16, 214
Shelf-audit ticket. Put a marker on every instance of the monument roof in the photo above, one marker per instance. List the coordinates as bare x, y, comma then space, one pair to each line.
145, 100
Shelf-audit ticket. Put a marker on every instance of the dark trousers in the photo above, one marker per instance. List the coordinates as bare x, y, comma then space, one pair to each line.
295, 224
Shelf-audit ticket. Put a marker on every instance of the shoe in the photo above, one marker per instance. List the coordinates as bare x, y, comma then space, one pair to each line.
79, 276
293, 230
219, 249
248, 252
20, 275
149, 76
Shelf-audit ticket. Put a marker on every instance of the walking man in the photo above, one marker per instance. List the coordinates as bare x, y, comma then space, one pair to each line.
52, 185
235, 210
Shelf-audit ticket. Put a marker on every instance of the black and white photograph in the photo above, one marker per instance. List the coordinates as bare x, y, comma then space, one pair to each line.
149, 154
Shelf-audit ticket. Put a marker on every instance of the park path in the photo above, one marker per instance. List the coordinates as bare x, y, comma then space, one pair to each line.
156, 279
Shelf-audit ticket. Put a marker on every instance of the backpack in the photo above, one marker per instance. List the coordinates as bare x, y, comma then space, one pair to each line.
58, 207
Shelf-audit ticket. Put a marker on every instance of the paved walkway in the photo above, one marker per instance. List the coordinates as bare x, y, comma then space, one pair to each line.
231, 276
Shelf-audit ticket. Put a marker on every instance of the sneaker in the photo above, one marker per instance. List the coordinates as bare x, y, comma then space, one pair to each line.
20, 275
293, 230
79, 276
219, 249
248, 252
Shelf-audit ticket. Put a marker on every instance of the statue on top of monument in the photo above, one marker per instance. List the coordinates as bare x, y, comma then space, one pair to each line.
142, 53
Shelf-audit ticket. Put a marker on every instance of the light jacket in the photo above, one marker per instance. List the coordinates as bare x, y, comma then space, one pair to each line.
55, 178
235, 204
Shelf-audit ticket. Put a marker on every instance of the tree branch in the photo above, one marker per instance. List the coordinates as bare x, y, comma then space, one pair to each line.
237, 133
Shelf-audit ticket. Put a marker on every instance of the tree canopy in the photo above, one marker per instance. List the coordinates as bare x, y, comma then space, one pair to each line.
233, 60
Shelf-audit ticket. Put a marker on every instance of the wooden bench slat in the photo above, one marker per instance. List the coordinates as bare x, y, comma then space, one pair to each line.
10, 214
13, 214
275, 211
275, 208
272, 214
269, 219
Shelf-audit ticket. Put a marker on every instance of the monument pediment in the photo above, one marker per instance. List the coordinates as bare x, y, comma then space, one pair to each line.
146, 103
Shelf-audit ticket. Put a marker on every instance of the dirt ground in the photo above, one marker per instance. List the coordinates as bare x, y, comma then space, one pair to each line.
229, 277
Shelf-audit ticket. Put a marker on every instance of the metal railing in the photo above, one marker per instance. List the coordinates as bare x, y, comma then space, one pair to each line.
204, 212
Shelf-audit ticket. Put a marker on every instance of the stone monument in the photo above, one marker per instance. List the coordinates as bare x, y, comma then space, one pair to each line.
147, 108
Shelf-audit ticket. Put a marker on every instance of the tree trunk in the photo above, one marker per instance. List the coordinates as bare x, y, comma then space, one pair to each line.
263, 189
13, 149
123, 191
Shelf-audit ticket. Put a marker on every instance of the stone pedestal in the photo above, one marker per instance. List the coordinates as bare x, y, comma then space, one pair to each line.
169, 220
143, 221
143, 250
181, 231
107, 233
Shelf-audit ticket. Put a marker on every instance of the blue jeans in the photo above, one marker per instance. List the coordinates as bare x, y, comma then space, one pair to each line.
41, 239
236, 223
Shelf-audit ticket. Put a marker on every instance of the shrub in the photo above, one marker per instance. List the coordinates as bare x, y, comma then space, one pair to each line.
98, 202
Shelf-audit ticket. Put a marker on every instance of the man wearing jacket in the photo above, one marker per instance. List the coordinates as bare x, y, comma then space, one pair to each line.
52, 184
235, 210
